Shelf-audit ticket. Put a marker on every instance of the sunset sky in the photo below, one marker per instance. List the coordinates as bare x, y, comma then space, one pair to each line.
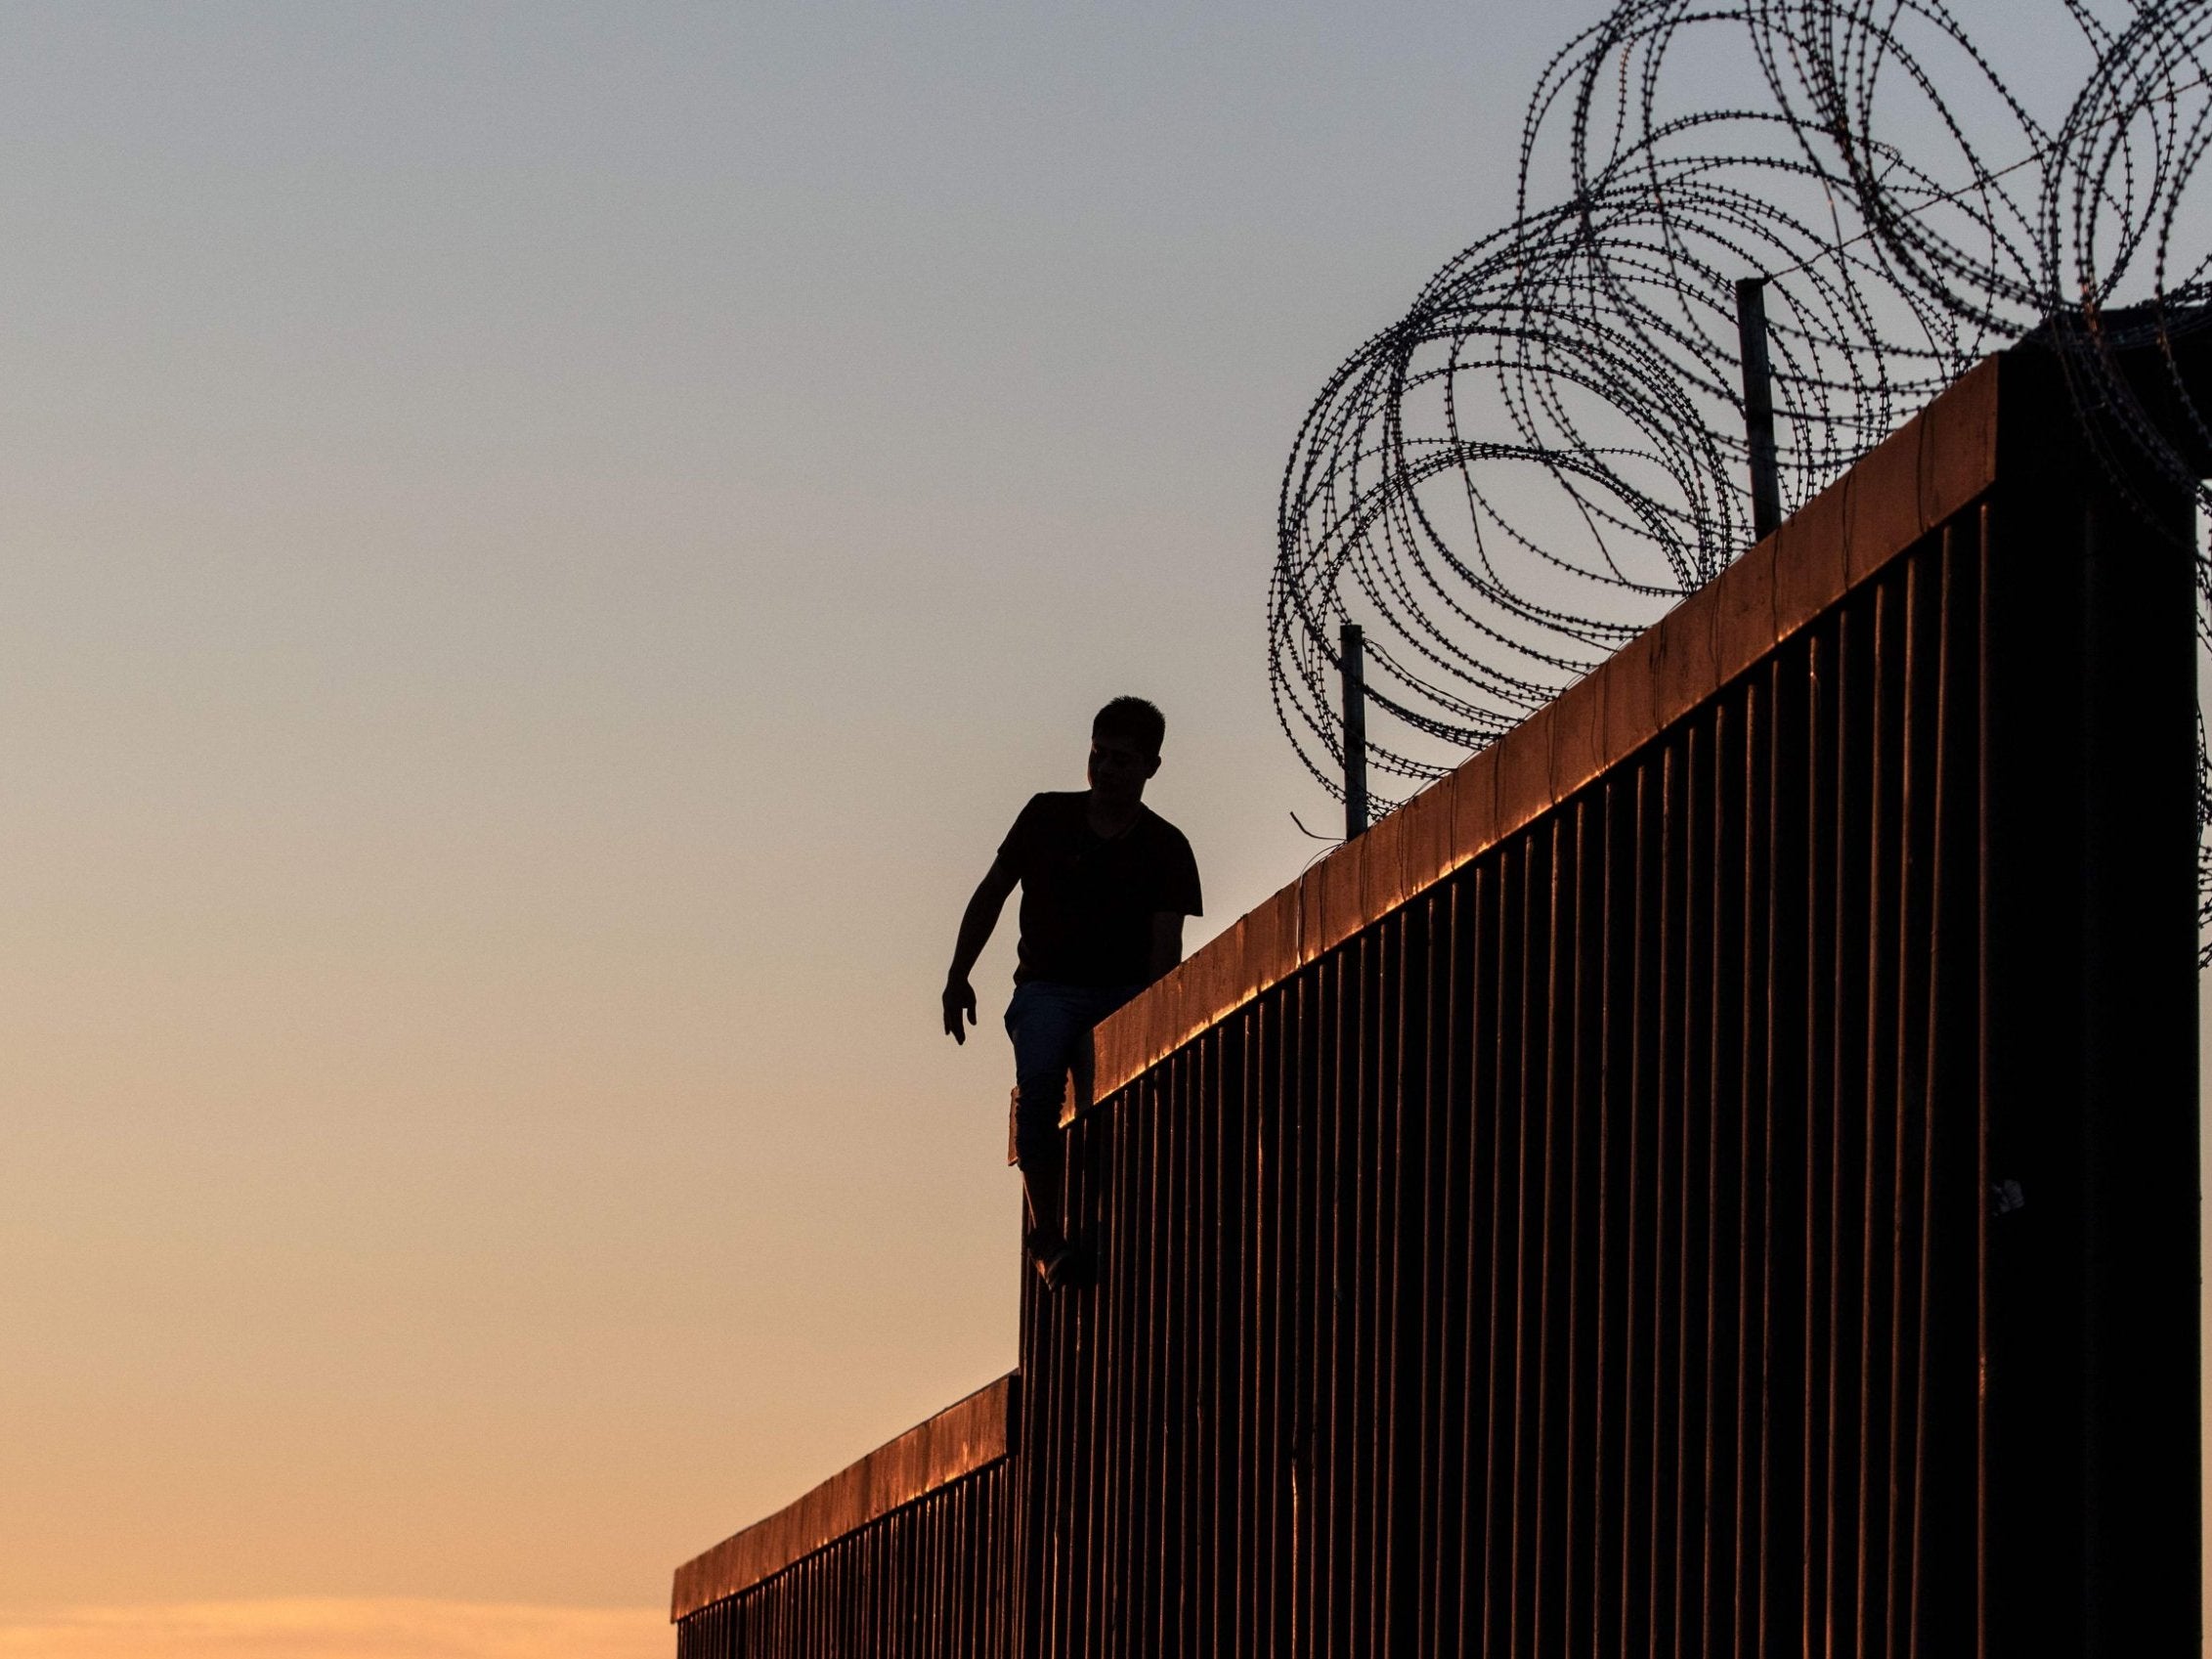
544, 543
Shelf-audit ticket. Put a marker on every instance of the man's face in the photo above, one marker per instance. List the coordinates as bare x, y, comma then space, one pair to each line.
1119, 767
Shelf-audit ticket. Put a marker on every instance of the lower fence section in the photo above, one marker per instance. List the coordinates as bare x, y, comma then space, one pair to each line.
928, 1580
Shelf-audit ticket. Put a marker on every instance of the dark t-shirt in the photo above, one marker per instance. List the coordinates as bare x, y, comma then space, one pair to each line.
1088, 901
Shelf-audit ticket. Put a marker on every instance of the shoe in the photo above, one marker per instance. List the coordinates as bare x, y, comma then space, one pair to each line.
1066, 1265
1075, 1268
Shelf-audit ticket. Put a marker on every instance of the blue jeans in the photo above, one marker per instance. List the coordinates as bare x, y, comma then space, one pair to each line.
1050, 1027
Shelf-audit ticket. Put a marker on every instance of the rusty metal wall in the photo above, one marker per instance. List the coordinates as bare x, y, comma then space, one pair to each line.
1747, 1210
1549, 1270
931, 1581
1683, 1230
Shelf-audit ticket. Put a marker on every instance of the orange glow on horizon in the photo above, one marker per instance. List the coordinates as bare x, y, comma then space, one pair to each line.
314, 1628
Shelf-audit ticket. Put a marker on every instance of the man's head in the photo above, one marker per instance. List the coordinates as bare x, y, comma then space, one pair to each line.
1125, 749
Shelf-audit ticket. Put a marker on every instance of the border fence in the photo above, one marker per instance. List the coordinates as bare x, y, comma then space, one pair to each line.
1715, 1175
907, 1552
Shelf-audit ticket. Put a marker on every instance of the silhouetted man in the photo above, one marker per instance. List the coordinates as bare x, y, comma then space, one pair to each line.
1106, 883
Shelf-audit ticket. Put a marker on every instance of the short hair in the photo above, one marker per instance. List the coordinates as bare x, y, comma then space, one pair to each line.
1132, 718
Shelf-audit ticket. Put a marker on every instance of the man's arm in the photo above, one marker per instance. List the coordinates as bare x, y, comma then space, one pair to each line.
1167, 943
975, 925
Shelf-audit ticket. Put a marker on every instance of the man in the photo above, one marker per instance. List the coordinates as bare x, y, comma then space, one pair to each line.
1105, 884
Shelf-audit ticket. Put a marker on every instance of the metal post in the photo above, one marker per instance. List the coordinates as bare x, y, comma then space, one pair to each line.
1759, 405
1351, 648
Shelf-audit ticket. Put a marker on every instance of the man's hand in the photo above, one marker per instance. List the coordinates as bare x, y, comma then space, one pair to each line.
958, 1007
975, 925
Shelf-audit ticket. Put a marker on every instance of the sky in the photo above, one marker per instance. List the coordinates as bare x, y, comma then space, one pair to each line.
540, 547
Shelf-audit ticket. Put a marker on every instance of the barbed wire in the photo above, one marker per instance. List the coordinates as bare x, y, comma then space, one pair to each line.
1548, 450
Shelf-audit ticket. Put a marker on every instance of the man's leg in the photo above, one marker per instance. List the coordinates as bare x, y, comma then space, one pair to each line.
1093, 1004
1051, 1026
1046, 1024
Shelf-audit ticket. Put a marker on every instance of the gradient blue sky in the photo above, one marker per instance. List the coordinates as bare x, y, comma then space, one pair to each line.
543, 546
